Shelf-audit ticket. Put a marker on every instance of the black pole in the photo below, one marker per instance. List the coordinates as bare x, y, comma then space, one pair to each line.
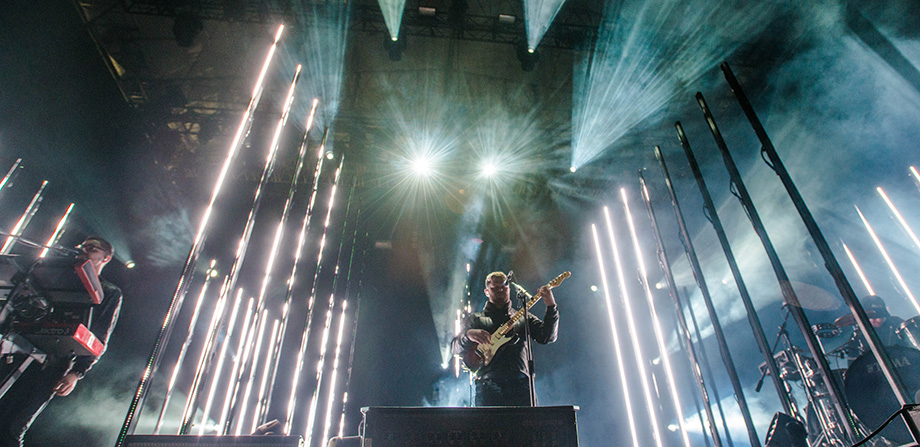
528, 347
811, 341
713, 216
698, 405
705, 362
830, 261
691, 352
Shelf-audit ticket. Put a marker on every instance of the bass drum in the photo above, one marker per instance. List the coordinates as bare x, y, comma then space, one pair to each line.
870, 397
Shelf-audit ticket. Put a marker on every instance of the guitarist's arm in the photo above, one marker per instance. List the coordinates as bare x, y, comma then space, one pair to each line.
545, 331
469, 337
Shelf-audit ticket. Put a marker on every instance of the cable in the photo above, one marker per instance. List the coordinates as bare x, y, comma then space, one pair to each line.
907, 407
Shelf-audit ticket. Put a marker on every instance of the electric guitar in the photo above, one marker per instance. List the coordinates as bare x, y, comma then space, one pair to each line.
483, 353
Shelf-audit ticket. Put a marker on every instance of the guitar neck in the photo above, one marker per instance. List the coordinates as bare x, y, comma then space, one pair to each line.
517, 316
505, 328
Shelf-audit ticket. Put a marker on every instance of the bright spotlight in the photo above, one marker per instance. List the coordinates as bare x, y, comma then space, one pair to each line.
594, 288
659, 285
394, 38
530, 50
489, 169
129, 264
573, 168
330, 155
421, 166
392, 11
538, 15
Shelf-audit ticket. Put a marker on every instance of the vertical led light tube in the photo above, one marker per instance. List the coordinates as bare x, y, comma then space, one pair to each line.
915, 175
257, 199
320, 366
234, 371
286, 306
888, 261
682, 328
457, 328
656, 324
899, 217
624, 381
188, 270
859, 270
256, 348
221, 357
246, 236
264, 382
274, 145
330, 399
24, 220
56, 236
330, 309
191, 401
634, 334
351, 349
304, 228
9, 174
189, 334
305, 336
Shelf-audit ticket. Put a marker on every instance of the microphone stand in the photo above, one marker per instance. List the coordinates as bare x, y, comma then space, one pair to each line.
528, 345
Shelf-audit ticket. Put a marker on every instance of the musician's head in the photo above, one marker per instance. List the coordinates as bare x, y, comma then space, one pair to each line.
876, 309
98, 251
497, 291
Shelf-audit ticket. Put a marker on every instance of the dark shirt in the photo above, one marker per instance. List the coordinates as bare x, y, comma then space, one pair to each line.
887, 334
510, 360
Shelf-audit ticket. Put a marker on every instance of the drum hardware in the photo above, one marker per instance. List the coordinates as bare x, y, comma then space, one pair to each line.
850, 320
826, 330
825, 426
786, 364
851, 349
830, 428
909, 331
784, 372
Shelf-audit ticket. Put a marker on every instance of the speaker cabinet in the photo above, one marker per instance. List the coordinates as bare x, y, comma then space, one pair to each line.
467, 427
785, 431
211, 441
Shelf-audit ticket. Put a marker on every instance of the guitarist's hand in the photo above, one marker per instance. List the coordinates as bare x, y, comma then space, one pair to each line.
546, 293
479, 336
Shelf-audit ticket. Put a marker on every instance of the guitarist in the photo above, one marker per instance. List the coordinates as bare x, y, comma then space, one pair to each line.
504, 381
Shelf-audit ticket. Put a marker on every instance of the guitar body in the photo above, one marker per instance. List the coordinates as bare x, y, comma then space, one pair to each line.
483, 353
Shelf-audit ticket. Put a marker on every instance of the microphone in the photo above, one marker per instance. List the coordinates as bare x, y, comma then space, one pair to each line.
508, 277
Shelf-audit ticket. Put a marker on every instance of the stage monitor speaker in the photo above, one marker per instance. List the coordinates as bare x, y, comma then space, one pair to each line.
211, 441
466, 427
786, 431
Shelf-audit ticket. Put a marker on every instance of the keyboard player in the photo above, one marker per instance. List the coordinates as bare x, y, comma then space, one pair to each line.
58, 375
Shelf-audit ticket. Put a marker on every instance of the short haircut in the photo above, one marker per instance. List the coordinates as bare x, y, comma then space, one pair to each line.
492, 276
100, 243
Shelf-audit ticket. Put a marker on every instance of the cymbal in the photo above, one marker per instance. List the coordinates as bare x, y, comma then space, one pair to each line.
814, 298
849, 319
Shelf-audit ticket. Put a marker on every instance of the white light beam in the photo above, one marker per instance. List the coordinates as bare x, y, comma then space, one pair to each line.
634, 334
624, 381
894, 269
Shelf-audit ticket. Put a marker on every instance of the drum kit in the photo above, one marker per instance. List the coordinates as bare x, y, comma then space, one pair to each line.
858, 374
